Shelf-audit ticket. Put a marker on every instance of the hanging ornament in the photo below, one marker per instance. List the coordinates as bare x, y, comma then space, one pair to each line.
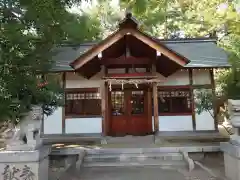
110, 86
122, 85
136, 85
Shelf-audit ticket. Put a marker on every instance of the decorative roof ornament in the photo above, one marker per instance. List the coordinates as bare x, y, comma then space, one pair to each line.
129, 21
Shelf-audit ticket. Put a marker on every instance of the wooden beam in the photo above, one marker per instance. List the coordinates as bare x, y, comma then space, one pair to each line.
93, 52
161, 48
122, 60
99, 48
63, 108
192, 98
155, 108
214, 99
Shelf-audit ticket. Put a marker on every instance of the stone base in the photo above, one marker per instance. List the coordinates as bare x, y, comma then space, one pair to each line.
231, 160
25, 164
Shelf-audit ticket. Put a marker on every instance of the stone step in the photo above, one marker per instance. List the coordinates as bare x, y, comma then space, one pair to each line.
129, 157
135, 163
132, 150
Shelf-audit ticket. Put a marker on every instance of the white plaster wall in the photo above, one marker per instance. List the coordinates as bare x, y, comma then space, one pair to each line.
204, 121
176, 79
84, 125
77, 81
175, 123
53, 123
201, 76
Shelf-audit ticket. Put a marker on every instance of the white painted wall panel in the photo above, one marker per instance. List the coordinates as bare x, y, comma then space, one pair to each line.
84, 125
175, 123
201, 77
77, 81
176, 79
204, 121
53, 123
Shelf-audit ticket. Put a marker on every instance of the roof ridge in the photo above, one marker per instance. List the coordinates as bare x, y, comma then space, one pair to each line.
187, 40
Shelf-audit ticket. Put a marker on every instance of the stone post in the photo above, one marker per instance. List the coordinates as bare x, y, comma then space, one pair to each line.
231, 149
25, 157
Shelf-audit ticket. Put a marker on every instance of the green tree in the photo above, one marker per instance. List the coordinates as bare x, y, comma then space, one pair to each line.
29, 29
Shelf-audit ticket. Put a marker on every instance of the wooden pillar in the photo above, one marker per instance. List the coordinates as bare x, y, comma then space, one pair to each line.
214, 99
63, 108
149, 108
155, 107
104, 104
192, 99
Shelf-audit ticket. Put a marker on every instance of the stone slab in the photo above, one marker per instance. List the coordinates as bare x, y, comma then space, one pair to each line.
231, 149
77, 150
24, 156
24, 164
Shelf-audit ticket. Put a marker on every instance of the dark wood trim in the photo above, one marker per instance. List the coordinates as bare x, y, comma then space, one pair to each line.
81, 90
155, 108
202, 86
174, 87
105, 70
215, 67
63, 108
206, 86
149, 106
207, 68
122, 60
175, 114
214, 99
103, 106
140, 75
81, 116
107, 103
190, 73
129, 87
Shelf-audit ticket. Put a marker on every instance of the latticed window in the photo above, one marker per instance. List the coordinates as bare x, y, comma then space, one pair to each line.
137, 101
83, 103
117, 98
174, 101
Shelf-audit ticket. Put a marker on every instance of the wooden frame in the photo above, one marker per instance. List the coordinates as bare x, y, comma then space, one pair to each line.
80, 90
176, 113
63, 108
120, 33
155, 108
192, 99
214, 99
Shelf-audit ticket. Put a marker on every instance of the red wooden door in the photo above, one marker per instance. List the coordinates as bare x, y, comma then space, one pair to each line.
129, 113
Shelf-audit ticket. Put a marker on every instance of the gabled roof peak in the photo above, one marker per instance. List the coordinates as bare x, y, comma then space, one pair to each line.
129, 21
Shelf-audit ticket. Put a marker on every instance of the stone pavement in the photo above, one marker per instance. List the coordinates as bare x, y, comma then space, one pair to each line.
130, 173
137, 173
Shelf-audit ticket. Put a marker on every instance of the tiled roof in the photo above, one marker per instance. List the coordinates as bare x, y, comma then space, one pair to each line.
201, 52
